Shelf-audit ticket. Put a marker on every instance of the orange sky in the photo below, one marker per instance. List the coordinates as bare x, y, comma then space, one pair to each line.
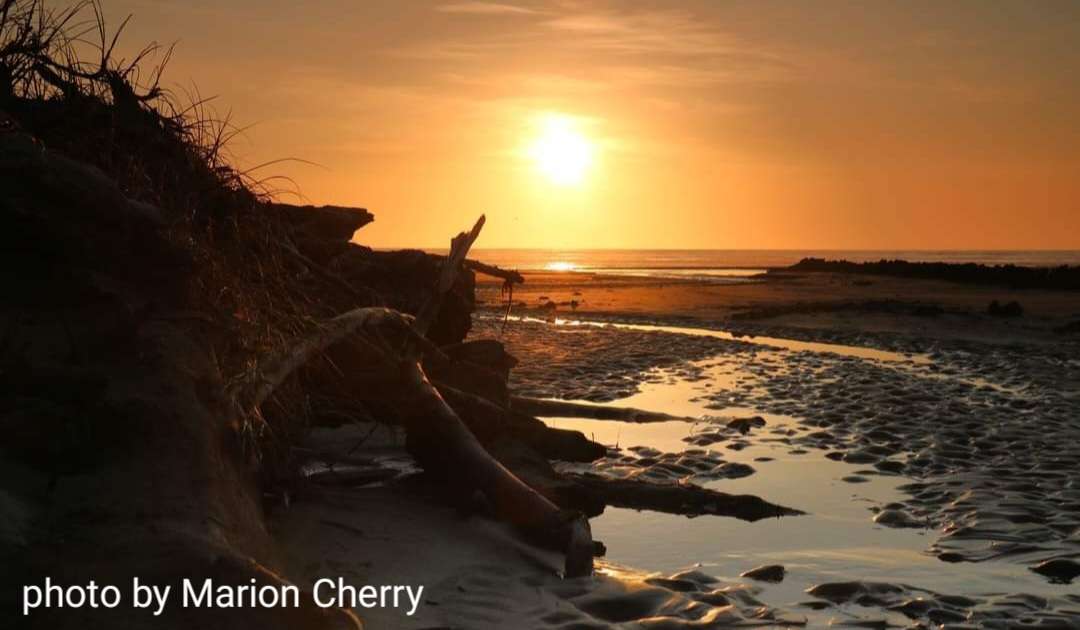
712, 124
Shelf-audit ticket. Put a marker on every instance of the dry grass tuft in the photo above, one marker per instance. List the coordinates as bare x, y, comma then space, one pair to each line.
62, 81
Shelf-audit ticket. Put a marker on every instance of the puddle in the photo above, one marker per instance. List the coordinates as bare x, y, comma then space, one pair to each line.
836, 541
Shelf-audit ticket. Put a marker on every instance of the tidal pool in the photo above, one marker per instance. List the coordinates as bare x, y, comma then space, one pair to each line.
836, 541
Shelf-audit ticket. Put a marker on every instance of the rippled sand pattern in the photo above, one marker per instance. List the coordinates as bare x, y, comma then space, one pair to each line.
994, 454
988, 437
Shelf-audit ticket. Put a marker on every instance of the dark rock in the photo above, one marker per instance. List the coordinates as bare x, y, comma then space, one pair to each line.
693, 575
1059, 570
768, 573
861, 456
733, 470
840, 592
743, 425
470, 378
479, 367
897, 518
890, 465
489, 353
337, 223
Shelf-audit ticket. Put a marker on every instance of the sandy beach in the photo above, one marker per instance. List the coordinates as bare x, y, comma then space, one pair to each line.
487, 315
831, 302
932, 446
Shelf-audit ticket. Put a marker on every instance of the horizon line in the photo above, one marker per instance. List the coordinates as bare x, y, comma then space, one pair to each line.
732, 249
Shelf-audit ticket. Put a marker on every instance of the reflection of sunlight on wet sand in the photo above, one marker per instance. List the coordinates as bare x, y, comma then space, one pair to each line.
836, 541
560, 265
861, 352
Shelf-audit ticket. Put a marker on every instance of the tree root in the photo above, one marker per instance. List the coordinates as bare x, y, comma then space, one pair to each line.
567, 409
679, 498
448, 446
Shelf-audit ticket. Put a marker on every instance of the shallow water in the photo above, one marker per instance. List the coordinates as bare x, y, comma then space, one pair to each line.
773, 342
837, 540
710, 259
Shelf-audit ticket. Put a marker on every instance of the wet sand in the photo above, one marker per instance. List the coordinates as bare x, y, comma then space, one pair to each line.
951, 439
824, 302
935, 457
477, 573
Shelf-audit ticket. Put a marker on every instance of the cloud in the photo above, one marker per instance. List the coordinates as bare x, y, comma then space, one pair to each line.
485, 8
647, 32
625, 49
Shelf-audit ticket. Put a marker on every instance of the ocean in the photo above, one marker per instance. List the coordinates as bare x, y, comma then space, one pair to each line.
735, 264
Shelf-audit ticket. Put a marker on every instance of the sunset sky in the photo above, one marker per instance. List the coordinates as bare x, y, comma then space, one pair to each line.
708, 124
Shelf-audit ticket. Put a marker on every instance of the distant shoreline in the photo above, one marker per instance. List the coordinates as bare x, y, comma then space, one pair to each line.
1056, 277
1062, 277
655, 262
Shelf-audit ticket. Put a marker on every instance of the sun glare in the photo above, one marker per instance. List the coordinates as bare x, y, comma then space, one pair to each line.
561, 153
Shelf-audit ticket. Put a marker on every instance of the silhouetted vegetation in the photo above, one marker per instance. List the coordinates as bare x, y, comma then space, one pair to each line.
219, 248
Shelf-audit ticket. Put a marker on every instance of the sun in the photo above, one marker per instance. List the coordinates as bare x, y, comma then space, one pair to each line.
561, 152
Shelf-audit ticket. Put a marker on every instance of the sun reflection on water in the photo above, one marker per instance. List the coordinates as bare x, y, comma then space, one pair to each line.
560, 265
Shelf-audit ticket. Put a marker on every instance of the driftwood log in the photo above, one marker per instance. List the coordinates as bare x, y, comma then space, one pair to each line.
489, 421
565, 409
449, 446
438, 425
510, 276
678, 498
461, 456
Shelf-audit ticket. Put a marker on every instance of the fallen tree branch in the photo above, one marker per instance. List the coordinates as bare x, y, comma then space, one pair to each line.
459, 249
678, 498
441, 440
445, 443
271, 373
485, 418
566, 409
457, 453
511, 276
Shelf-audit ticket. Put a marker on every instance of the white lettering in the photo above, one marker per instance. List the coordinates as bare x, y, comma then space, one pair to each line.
106, 592
53, 595
414, 602
26, 591
147, 596
319, 601
328, 592
191, 599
